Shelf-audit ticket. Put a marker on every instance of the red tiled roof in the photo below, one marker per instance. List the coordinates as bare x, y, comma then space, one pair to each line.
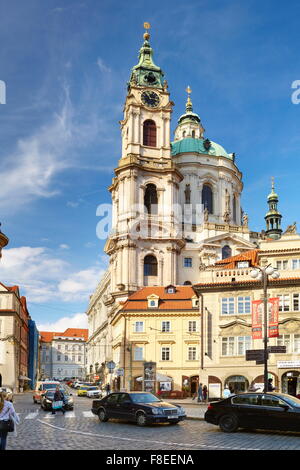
47, 336
180, 300
250, 255
245, 282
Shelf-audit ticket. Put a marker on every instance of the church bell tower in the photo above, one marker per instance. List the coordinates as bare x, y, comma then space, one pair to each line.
146, 235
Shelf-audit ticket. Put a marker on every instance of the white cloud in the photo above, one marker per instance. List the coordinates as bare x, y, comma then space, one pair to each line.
43, 277
102, 66
64, 246
79, 320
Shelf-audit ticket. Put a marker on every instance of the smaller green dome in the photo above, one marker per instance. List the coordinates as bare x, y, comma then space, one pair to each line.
192, 145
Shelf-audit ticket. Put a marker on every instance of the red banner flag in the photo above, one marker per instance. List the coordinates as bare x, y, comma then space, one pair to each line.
257, 309
273, 312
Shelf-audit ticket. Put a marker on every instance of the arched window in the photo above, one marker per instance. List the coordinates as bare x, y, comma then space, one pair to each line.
183, 134
150, 266
193, 134
187, 283
234, 209
149, 133
151, 199
207, 198
226, 252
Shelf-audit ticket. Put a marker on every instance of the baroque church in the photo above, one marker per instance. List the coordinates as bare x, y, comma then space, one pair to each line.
176, 203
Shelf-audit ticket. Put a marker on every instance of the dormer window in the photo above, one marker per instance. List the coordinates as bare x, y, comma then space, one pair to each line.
170, 290
243, 264
195, 301
153, 301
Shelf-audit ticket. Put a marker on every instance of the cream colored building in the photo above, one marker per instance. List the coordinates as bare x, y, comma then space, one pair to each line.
226, 292
160, 326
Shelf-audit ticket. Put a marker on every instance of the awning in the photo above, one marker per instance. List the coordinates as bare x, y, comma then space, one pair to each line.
23, 377
163, 378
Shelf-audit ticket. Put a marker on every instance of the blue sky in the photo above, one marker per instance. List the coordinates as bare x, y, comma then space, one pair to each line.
65, 65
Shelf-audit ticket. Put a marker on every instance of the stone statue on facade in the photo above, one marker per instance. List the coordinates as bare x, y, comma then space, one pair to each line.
291, 229
245, 219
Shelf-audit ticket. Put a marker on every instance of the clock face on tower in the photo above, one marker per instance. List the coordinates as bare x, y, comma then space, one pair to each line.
150, 98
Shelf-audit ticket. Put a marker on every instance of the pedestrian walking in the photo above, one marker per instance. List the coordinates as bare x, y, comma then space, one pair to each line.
107, 388
58, 401
204, 392
200, 393
8, 419
226, 392
271, 387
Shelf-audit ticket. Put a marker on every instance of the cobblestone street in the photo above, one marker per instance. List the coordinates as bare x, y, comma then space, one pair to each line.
80, 429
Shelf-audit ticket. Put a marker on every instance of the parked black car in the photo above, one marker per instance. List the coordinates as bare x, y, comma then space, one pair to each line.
140, 407
255, 411
47, 399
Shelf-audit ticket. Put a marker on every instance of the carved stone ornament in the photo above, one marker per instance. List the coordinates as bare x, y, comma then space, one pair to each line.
291, 229
226, 217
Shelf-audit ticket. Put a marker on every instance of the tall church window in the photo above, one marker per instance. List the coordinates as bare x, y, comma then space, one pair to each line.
149, 133
151, 199
150, 266
226, 252
207, 198
234, 209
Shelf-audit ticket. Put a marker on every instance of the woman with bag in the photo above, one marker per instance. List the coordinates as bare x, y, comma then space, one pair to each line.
58, 401
8, 419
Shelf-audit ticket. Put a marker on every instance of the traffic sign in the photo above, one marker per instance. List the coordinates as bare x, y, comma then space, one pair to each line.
255, 354
277, 349
120, 372
111, 365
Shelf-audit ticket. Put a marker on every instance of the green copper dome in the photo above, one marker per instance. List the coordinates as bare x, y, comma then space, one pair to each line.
191, 145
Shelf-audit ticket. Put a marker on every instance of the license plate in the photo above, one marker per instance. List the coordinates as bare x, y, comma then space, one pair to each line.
172, 417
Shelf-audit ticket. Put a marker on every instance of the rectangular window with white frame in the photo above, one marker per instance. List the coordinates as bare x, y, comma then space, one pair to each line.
282, 264
285, 340
227, 306
139, 327
284, 302
296, 264
235, 345
165, 353
192, 353
166, 326
244, 305
192, 326
296, 303
138, 353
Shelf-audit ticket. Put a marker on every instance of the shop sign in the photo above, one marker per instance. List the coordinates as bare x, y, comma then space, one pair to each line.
288, 364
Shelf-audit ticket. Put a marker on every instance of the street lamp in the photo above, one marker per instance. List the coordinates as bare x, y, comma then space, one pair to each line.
262, 274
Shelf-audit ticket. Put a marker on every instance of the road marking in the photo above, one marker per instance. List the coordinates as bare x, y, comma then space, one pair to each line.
70, 414
107, 436
88, 414
32, 415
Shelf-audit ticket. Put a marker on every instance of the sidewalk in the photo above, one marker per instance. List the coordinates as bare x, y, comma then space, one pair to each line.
193, 409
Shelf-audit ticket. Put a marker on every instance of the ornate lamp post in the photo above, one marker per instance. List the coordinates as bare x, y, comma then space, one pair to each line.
262, 274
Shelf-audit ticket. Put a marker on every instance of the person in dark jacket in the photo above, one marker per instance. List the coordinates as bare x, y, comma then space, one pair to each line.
59, 396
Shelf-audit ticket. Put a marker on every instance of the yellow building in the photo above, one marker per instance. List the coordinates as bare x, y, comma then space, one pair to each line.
157, 329
226, 292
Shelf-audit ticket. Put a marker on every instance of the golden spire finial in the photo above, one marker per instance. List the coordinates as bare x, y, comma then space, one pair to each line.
189, 91
273, 179
147, 26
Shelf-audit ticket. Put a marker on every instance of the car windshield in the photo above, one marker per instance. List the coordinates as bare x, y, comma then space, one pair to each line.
93, 388
144, 398
49, 386
84, 388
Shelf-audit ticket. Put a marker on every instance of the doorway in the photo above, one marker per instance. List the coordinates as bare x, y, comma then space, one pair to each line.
291, 383
194, 384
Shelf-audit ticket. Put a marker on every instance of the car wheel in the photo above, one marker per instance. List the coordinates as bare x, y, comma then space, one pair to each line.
228, 423
141, 419
102, 416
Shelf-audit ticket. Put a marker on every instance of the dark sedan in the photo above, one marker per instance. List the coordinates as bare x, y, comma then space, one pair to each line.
140, 407
48, 397
276, 411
